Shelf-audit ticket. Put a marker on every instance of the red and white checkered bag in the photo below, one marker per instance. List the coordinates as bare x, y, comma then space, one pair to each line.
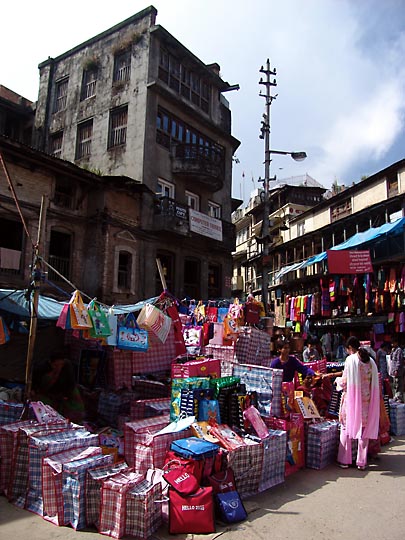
18, 484
147, 408
246, 463
52, 482
143, 510
41, 446
119, 368
8, 446
147, 449
158, 357
130, 428
113, 503
94, 480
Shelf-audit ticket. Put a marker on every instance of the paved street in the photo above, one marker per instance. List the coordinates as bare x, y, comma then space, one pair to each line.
311, 505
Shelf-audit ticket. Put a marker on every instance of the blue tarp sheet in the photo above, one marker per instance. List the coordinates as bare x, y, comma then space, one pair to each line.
18, 303
396, 227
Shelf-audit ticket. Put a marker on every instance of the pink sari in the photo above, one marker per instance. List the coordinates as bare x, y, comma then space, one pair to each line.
353, 400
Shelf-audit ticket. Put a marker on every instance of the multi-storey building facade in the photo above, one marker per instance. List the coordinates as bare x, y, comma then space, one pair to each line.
134, 101
287, 199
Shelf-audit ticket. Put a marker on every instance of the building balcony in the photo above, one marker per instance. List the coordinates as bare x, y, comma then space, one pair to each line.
201, 164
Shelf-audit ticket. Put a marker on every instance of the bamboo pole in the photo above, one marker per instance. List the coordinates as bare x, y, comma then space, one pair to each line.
161, 274
34, 310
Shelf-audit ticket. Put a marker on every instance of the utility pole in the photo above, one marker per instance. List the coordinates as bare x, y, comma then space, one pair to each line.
265, 134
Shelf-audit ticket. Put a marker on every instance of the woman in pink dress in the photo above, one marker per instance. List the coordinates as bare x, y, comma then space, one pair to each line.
360, 406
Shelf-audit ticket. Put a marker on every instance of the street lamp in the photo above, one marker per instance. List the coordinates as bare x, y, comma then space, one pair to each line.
297, 156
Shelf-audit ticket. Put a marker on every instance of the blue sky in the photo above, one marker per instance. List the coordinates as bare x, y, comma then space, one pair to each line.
340, 72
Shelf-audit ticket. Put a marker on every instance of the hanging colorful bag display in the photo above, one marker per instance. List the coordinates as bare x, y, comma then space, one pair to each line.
100, 326
152, 319
64, 317
131, 337
79, 316
4, 333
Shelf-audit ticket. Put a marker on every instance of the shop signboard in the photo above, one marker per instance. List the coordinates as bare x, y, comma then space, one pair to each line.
205, 225
346, 261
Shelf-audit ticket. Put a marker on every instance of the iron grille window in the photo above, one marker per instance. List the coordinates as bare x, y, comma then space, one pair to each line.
84, 136
89, 84
118, 127
61, 90
64, 193
56, 144
122, 67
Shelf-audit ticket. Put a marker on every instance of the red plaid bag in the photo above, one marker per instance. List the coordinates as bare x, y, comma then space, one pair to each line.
94, 479
41, 446
18, 484
8, 446
158, 357
143, 510
119, 368
150, 447
130, 428
113, 503
191, 513
147, 408
246, 463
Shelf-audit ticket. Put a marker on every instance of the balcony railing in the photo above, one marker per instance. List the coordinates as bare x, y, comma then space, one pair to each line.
62, 265
203, 164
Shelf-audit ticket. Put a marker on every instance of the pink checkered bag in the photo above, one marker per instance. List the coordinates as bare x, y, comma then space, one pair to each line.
143, 510
94, 480
158, 357
52, 481
147, 408
149, 447
113, 503
246, 463
8, 446
130, 429
119, 368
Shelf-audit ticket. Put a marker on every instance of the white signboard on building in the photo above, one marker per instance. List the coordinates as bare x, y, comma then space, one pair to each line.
205, 225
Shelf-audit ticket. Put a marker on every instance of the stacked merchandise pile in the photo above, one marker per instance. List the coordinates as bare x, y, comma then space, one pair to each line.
397, 417
321, 444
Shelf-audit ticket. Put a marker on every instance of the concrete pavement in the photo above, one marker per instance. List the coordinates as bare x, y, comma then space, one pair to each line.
329, 504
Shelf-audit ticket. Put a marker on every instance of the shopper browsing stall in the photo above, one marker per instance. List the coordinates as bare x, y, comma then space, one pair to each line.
360, 405
289, 363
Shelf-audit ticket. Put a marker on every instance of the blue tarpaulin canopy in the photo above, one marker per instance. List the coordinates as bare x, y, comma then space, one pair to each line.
396, 227
19, 303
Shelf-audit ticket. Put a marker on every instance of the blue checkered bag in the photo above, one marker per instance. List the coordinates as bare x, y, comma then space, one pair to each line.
10, 412
73, 489
321, 444
45, 445
265, 382
52, 474
274, 456
397, 418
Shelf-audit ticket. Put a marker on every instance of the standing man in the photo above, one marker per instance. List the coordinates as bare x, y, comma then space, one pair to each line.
397, 371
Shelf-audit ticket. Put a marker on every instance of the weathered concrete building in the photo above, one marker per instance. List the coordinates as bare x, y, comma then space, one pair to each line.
91, 225
134, 101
